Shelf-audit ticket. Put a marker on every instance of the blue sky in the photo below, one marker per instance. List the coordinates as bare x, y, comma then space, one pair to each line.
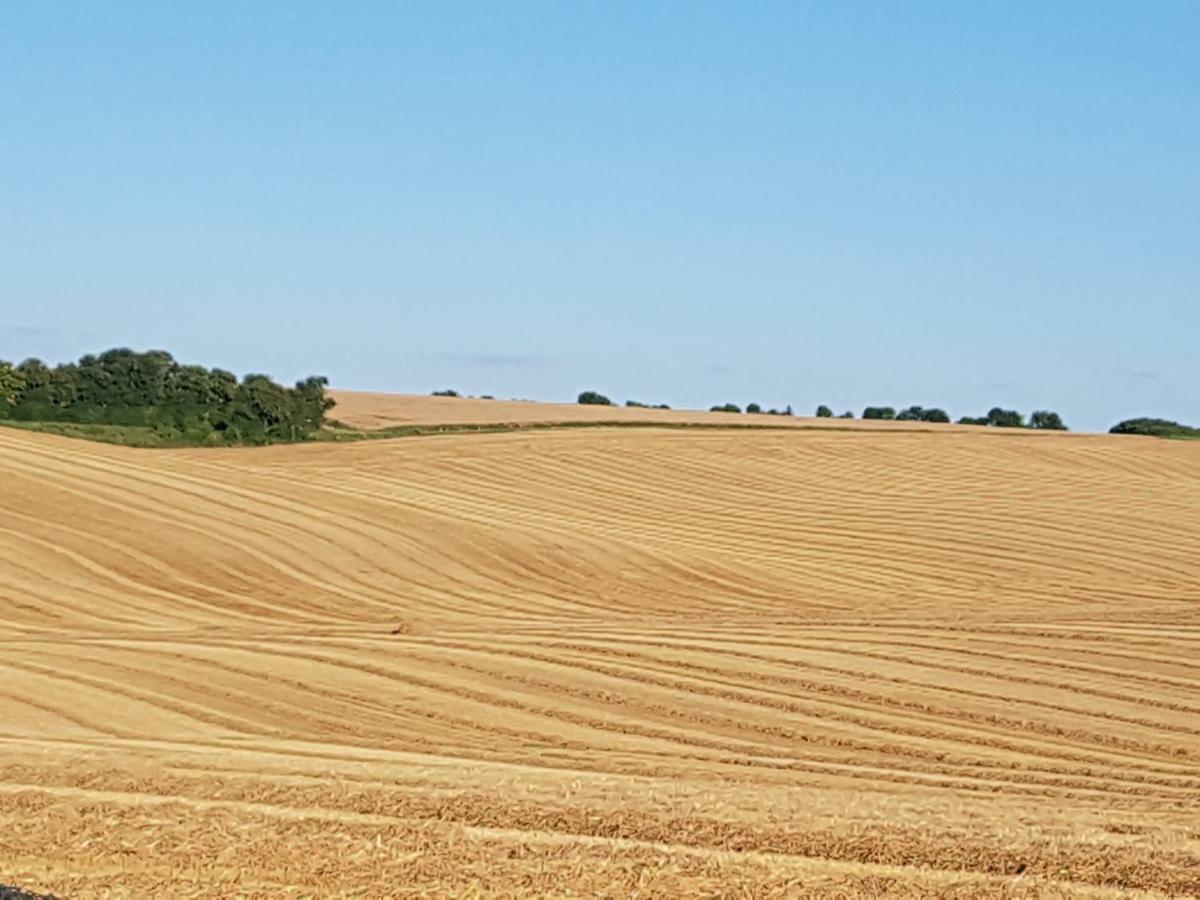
848, 203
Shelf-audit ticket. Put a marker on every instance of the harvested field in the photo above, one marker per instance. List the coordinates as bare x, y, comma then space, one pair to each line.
944, 663
362, 409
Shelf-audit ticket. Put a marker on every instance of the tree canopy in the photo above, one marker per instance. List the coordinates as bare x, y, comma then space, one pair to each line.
12, 385
1047, 420
1154, 428
879, 412
151, 389
1005, 418
592, 398
921, 414
998, 417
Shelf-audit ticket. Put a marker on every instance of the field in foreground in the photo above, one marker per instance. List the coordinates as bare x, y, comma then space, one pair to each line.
605, 661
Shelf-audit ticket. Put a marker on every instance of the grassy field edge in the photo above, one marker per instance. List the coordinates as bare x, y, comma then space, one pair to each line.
145, 437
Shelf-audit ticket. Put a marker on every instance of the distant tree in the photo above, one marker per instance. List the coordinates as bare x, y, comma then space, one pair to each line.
1154, 428
36, 375
921, 414
846, 415
728, 407
787, 410
661, 406
1005, 418
263, 408
1049, 421
591, 398
973, 420
753, 408
634, 404
12, 384
879, 412
824, 412
309, 405
447, 393
152, 390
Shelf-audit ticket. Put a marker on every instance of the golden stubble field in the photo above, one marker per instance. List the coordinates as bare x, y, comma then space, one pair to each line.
603, 663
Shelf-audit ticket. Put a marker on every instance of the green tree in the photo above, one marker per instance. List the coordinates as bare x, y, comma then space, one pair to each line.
122, 387
1047, 420
1154, 428
310, 404
592, 398
753, 408
921, 414
727, 407
1005, 418
824, 412
12, 384
879, 412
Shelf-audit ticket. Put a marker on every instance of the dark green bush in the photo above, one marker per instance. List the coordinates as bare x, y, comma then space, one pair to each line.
753, 408
728, 407
1154, 428
921, 414
879, 412
12, 386
636, 404
591, 398
1005, 418
824, 412
151, 390
447, 393
1047, 420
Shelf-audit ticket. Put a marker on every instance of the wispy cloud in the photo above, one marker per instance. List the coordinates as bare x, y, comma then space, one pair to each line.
496, 360
42, 332
1138, 375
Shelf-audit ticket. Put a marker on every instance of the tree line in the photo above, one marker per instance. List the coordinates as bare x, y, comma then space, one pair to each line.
1155, 428
151, 389
996, 417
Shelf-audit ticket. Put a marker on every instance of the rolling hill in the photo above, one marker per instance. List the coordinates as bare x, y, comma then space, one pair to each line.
942, 662
367, 410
